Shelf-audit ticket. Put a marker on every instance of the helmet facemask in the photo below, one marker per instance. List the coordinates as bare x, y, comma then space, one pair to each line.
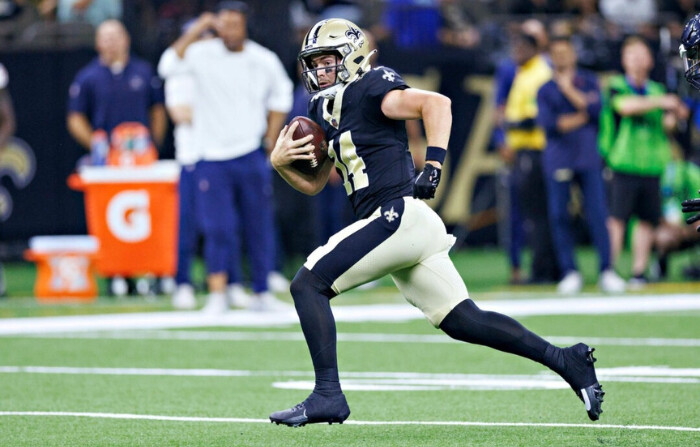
691, 63
309, 73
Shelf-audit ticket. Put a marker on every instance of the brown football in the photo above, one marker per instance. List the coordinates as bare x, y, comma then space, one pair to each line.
309, 127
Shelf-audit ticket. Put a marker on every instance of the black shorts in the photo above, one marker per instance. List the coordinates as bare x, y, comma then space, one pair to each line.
635, 195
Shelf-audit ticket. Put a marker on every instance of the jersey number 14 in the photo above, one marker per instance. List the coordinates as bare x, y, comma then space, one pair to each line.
351, 166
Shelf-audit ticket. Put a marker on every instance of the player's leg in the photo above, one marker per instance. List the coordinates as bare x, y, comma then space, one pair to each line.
361, 252
434, 286
466, 322
327, 402
312, 296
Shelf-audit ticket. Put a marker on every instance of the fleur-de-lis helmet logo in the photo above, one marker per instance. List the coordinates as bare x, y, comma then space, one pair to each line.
353, 34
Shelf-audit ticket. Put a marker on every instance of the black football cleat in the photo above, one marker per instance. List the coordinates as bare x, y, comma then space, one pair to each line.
315, 409
579, 373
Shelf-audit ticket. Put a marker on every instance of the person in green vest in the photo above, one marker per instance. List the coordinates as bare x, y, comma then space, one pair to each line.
636, 115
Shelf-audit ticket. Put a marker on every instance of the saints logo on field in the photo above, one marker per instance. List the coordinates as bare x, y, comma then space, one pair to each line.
17, 162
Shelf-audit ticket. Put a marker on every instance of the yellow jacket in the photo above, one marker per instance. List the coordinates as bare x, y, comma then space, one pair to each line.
521, 105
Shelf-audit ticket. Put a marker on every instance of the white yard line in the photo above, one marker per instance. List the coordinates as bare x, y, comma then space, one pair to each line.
195, 372
379, 312
297, 336
152, 417
367, 379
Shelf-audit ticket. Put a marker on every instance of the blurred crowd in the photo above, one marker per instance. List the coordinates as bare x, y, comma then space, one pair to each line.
480, 29
598, 26
499, 37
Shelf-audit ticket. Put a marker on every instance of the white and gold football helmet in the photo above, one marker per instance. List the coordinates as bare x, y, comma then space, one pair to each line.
342, 38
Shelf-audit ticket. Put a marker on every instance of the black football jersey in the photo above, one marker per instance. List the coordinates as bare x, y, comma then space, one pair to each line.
370, 151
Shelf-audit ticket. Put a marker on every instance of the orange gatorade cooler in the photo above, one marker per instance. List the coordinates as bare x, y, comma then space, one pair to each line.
133, 213
65, 267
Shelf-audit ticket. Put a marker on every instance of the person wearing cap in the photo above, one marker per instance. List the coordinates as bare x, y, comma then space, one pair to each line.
243, 95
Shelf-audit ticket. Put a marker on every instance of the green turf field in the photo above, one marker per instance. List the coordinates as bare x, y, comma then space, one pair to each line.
240, 384
406, 384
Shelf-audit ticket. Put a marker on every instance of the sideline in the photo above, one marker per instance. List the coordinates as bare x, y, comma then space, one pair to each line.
152, 417
595, 305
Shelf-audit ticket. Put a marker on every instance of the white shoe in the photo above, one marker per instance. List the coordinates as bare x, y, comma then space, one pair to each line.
267, 302
216, 303
637, 282
167, 285
610, 282
277, 283
118, 286
183, 298
237, 296
572, 283
145, 285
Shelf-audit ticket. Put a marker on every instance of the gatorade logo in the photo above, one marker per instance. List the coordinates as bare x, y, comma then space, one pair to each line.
128, 216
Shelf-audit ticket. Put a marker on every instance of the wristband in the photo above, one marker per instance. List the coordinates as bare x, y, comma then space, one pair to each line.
435, 153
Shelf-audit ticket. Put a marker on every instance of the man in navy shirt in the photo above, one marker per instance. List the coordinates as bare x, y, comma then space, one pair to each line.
568, 107
115, 88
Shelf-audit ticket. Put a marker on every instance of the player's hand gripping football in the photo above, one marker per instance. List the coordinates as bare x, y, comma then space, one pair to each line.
427, 182
287, 149
692, 206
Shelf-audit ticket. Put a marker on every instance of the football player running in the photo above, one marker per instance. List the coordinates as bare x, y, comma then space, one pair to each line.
362, 111
690, 53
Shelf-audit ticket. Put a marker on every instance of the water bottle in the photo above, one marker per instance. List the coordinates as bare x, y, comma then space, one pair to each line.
99, 148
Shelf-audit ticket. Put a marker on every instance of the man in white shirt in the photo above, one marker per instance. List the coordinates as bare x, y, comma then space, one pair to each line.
242, 97
179, 96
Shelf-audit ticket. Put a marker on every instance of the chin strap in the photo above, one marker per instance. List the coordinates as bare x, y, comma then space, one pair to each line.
330, 92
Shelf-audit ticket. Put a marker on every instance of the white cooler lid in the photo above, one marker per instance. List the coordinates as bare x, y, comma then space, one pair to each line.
50, 244
160, 171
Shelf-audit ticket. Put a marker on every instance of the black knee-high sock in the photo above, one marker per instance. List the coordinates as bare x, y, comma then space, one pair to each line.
312, 302
466, 322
